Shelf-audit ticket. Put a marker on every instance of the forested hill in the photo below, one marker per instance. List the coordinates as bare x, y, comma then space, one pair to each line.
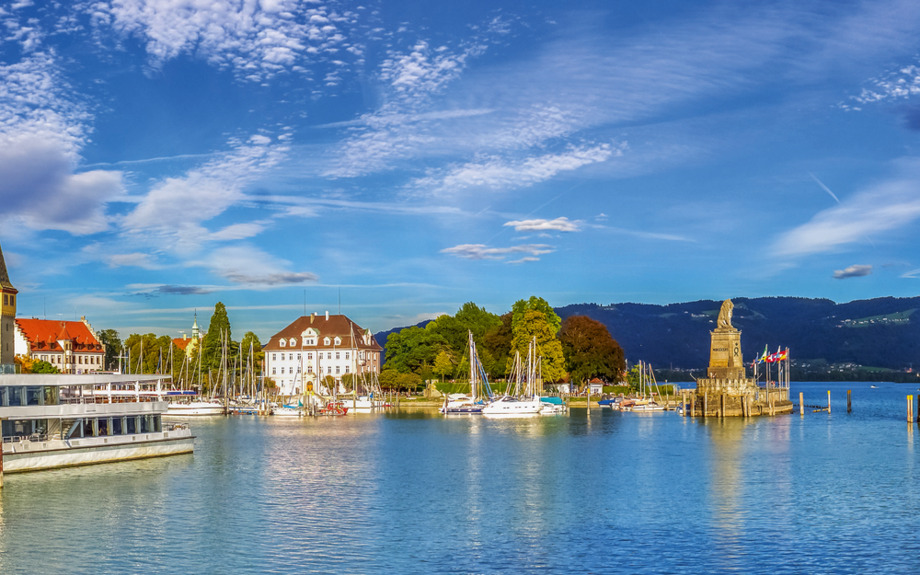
882, 332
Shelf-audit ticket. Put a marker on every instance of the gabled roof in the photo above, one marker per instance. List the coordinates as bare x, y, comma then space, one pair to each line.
44, 335
333, 326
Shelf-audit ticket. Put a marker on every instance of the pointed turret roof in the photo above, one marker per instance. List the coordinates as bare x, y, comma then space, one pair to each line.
4, 276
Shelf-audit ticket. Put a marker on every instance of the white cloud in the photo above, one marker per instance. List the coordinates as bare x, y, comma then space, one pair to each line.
248, 265
499, 173
854, 271
135, 259
542, 225
899, 85
176, 207
881, 209
424, 71
483, 252
257, 40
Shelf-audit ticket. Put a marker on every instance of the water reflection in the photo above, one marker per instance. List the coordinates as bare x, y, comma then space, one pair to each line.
415, 493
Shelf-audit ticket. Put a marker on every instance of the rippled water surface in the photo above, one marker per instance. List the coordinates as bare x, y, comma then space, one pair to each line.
418, 493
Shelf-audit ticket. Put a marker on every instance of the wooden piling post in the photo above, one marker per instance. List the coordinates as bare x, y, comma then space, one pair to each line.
705, 404
801, 403
849, 402
918, 411
828, 401
693, 405
721, 405
910, 409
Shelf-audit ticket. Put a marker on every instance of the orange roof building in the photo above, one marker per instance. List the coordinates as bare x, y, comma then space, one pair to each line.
315, 346
70, 346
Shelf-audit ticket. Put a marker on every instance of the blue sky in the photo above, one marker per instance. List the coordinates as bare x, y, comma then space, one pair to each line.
394, 160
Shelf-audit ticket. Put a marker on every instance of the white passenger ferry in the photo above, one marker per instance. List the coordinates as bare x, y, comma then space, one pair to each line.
50, 421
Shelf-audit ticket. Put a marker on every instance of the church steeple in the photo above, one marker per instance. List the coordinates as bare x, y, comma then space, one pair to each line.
7, 315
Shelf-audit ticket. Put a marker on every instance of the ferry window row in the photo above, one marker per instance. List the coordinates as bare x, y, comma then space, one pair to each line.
83, 427
18, 395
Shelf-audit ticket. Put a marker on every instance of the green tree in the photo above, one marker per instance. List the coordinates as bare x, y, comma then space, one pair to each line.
409, 381
251, 342
212, 346
410, 349
443, 365
109, 338
590, 351
533, 323
389, 378
496, 348
539, 304
146, 353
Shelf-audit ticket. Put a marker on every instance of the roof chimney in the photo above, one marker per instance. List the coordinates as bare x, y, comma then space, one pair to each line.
327, 315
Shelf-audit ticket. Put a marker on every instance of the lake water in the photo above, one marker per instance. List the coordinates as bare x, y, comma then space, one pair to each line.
419, 493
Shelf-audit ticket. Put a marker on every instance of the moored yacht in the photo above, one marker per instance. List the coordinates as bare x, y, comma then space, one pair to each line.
51, 421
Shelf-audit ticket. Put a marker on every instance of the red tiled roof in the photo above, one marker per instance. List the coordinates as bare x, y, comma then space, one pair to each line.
335, 326
44, 334
181, 342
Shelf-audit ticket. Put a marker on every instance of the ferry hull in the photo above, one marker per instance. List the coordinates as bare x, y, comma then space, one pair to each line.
23, 456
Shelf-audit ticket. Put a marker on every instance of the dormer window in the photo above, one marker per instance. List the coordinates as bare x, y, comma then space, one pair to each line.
282, 343
326, 341
293, 342
338, 341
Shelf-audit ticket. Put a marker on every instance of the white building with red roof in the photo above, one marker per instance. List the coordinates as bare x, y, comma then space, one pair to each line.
316, 346
70, 346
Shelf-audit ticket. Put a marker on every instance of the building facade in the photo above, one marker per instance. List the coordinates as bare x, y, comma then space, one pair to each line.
70, 346
299, 357
7, 319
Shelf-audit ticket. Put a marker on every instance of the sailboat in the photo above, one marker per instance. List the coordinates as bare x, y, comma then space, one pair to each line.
646, 382
529, 402
480, 391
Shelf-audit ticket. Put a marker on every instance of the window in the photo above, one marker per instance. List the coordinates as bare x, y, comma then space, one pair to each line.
338, 341
274, 370
326, 341
346, 369
309, 369
310, 355
293, 342
291, 356
337, 370
346, 355
298, 357
328, 355
282, 343
273, 357
337, 354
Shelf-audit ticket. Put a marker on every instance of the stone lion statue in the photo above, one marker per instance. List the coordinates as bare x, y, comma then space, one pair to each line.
725, 314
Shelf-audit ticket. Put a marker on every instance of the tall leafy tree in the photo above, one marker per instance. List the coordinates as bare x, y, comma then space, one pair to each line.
412, 349
211, 346
539, 304
443, 365
533, 323
590, 351
109, 338
146, 353
496, 347
251, 340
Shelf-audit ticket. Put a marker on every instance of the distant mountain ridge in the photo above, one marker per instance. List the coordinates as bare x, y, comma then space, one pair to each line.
882, 332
